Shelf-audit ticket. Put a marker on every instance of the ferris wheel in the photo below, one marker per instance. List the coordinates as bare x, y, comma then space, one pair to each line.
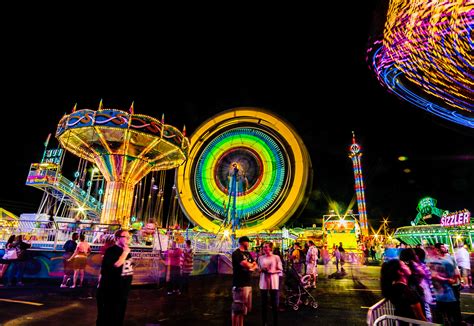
247, 171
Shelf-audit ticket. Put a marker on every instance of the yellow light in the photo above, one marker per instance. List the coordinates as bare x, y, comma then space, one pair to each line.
407, 170
226, 233
296, 193
402, 158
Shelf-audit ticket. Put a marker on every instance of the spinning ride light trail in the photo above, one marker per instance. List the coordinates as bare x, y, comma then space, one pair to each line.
247, 168
125, 147
425, 56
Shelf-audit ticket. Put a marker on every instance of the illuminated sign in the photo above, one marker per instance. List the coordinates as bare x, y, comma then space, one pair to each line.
456, 219
53, 156
339, 226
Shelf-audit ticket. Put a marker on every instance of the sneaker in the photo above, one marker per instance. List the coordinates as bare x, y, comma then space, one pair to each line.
63, 286
72, 286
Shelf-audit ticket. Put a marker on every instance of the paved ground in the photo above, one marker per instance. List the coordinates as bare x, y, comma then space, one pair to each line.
341, 302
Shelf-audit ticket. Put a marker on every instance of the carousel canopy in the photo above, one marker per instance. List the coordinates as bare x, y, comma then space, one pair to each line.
7, 216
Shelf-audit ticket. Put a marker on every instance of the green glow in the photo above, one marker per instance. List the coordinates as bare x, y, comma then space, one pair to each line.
270, 182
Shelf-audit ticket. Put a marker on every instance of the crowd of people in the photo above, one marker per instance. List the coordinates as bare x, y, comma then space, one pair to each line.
269, 262
425, 282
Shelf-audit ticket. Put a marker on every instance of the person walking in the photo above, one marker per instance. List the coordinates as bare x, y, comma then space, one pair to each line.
69, 249
337, 256
445, 275
270, 266
297, 257
79, 258
18, 265
115, 281
243, 266
312, 263
326, 259
187, 266
464, 263
343, 257
9, 256
173, 261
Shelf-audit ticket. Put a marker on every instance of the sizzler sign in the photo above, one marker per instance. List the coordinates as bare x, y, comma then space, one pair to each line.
456, 219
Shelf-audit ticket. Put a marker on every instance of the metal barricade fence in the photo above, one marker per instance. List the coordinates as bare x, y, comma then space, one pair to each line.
394, 320
381, 308
383, 314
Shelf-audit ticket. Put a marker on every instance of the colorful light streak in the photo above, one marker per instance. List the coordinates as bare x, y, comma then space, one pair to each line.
274, 163
268, 184
425, 56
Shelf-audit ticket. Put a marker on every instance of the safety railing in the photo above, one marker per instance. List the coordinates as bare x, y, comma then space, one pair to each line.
52, 235
383, 314
381, 308
394, 320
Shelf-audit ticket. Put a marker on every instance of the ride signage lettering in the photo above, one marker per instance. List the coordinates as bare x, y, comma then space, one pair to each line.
53, 156
456, 219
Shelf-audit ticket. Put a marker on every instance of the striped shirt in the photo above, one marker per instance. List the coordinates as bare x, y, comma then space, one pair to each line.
188, 260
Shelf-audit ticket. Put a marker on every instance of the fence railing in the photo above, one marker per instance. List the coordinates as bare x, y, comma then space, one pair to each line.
52, 235
383, 314
394, 320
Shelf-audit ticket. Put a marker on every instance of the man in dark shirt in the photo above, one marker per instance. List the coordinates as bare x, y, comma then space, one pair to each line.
69, 248
116, 279
243, 265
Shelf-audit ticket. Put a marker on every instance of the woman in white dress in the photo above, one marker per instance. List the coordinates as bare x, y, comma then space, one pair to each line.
270, 268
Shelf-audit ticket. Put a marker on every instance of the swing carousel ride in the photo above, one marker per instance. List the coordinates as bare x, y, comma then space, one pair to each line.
124, 147
247, 172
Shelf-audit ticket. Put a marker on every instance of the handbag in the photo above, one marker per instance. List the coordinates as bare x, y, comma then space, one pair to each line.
10, 254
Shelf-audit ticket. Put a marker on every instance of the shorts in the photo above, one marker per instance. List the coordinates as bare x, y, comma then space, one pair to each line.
68, 265
242, 300
465, 272
312, 269
80, 262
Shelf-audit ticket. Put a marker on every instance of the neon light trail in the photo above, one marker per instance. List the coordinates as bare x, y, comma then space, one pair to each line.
247, 172
425, 56
125, 147
355, 154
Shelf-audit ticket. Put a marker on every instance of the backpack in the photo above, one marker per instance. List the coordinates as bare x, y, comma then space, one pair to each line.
302, 256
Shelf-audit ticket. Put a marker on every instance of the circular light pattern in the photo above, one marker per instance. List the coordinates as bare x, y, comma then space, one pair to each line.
261, 175
425, 56
248, 155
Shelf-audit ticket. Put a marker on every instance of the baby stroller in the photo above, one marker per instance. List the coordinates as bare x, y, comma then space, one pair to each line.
297, 292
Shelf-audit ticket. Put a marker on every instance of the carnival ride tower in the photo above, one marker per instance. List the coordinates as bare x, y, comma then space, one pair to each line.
355, 154
125, 147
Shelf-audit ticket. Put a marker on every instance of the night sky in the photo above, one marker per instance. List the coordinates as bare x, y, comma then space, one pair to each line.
311, 73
